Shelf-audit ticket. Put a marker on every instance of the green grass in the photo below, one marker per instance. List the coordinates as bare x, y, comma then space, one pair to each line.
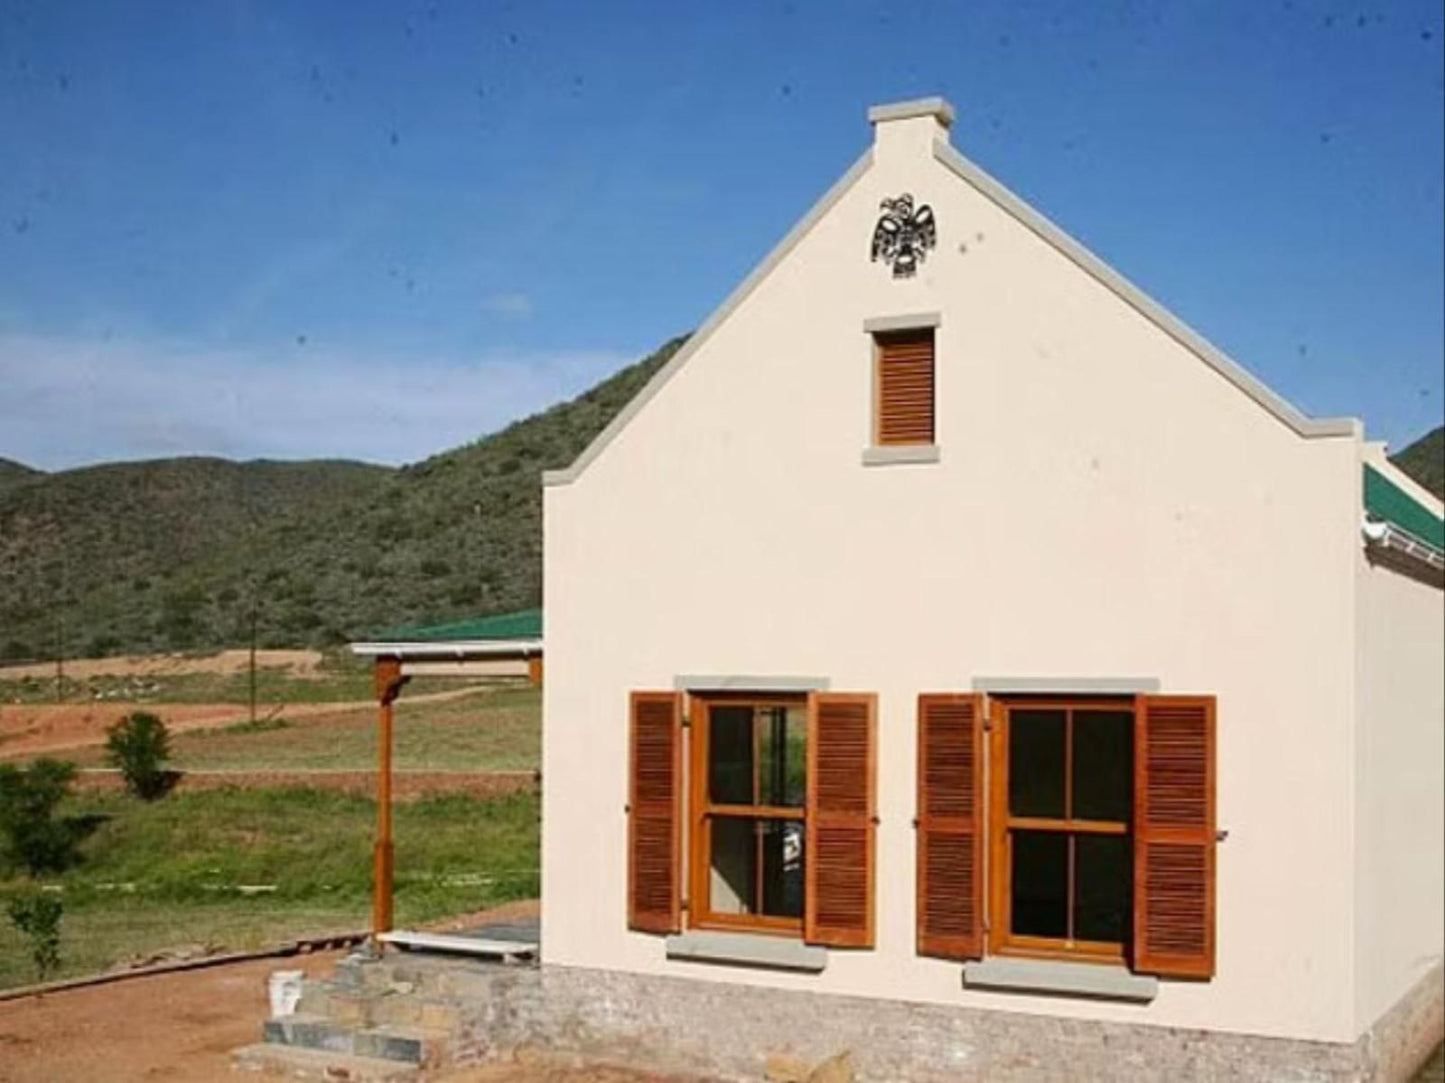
168, 873
498, 731
495, 730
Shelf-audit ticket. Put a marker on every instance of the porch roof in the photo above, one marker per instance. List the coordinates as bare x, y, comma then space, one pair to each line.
500, 633
1386, 501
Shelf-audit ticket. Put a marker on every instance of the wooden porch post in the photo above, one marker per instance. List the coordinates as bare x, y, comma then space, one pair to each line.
388, 686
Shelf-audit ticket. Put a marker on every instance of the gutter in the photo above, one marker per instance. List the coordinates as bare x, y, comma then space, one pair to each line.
1379, 534
449, 649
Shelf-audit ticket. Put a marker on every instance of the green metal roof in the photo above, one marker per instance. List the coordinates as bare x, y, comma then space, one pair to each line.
524, 624
1386, 500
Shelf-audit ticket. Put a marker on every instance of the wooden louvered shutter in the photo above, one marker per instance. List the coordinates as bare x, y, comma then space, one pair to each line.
839, 854
905, 387
654, 814
950, 826
1174, 836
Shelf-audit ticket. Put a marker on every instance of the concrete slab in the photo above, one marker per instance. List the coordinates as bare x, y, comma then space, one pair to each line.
462, 944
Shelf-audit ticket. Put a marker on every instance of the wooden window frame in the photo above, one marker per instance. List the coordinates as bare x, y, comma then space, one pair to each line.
1001, 938
702, 810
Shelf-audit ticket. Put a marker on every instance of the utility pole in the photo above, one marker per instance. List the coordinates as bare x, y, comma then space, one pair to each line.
60, 631
253, 657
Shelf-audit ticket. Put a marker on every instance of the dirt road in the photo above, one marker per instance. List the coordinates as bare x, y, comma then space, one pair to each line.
179, 1026
184, 1026
298, 663
28, 730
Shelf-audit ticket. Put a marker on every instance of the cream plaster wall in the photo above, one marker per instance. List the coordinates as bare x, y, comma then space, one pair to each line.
1106, 505
1400, 782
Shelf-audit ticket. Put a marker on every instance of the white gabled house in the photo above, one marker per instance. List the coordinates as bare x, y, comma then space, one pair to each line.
949, 641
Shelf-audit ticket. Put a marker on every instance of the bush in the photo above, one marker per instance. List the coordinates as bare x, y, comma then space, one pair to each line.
37, 916
139, 745
33, 836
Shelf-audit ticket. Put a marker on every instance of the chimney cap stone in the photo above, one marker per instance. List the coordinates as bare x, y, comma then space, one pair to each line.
936, 107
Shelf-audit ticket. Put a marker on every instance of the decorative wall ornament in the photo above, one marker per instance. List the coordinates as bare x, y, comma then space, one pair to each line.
903, 236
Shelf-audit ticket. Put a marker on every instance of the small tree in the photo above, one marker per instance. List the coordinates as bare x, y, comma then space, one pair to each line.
32, 834
37, 916
139, 745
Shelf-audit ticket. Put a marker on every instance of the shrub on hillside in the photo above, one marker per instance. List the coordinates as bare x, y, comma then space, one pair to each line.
33, 836
139, 746
37, 916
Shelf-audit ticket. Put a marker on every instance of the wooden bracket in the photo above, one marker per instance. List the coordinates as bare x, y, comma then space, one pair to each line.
389, 679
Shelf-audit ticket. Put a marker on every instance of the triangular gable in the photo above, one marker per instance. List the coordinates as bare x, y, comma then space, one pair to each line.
1031, 219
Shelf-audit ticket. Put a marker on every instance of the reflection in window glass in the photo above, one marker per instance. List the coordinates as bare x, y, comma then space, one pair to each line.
734, 870
757, 755
783, 756
783, 868
757, 867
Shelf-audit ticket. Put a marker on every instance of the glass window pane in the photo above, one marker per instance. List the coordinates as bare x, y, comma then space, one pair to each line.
1036, 763
1040, 883
738, 844
730, 755
783, 756
1103, 765
1103, 868
783, 868
732, 881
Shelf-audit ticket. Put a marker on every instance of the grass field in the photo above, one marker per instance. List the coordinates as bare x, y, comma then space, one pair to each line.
342, 679
492, 730
170, 873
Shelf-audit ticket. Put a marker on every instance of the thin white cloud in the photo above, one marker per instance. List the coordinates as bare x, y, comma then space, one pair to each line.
516, 305
69, 401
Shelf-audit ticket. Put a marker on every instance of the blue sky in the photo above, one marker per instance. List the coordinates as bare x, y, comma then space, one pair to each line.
376, 230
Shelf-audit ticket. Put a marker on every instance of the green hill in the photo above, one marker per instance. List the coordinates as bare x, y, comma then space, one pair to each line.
1424, 460
172, 554
13, 473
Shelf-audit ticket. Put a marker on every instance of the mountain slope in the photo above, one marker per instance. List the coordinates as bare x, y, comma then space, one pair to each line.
1424, 460
174, 554
89, 548
13, 473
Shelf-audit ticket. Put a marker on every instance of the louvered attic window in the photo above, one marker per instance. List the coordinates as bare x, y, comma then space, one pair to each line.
904, 393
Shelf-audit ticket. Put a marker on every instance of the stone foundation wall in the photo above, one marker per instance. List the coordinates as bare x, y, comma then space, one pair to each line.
690, 1026
1404, 1037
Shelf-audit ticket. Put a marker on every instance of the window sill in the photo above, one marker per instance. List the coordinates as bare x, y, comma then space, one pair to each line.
901, 453
745, 949
1060, 979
